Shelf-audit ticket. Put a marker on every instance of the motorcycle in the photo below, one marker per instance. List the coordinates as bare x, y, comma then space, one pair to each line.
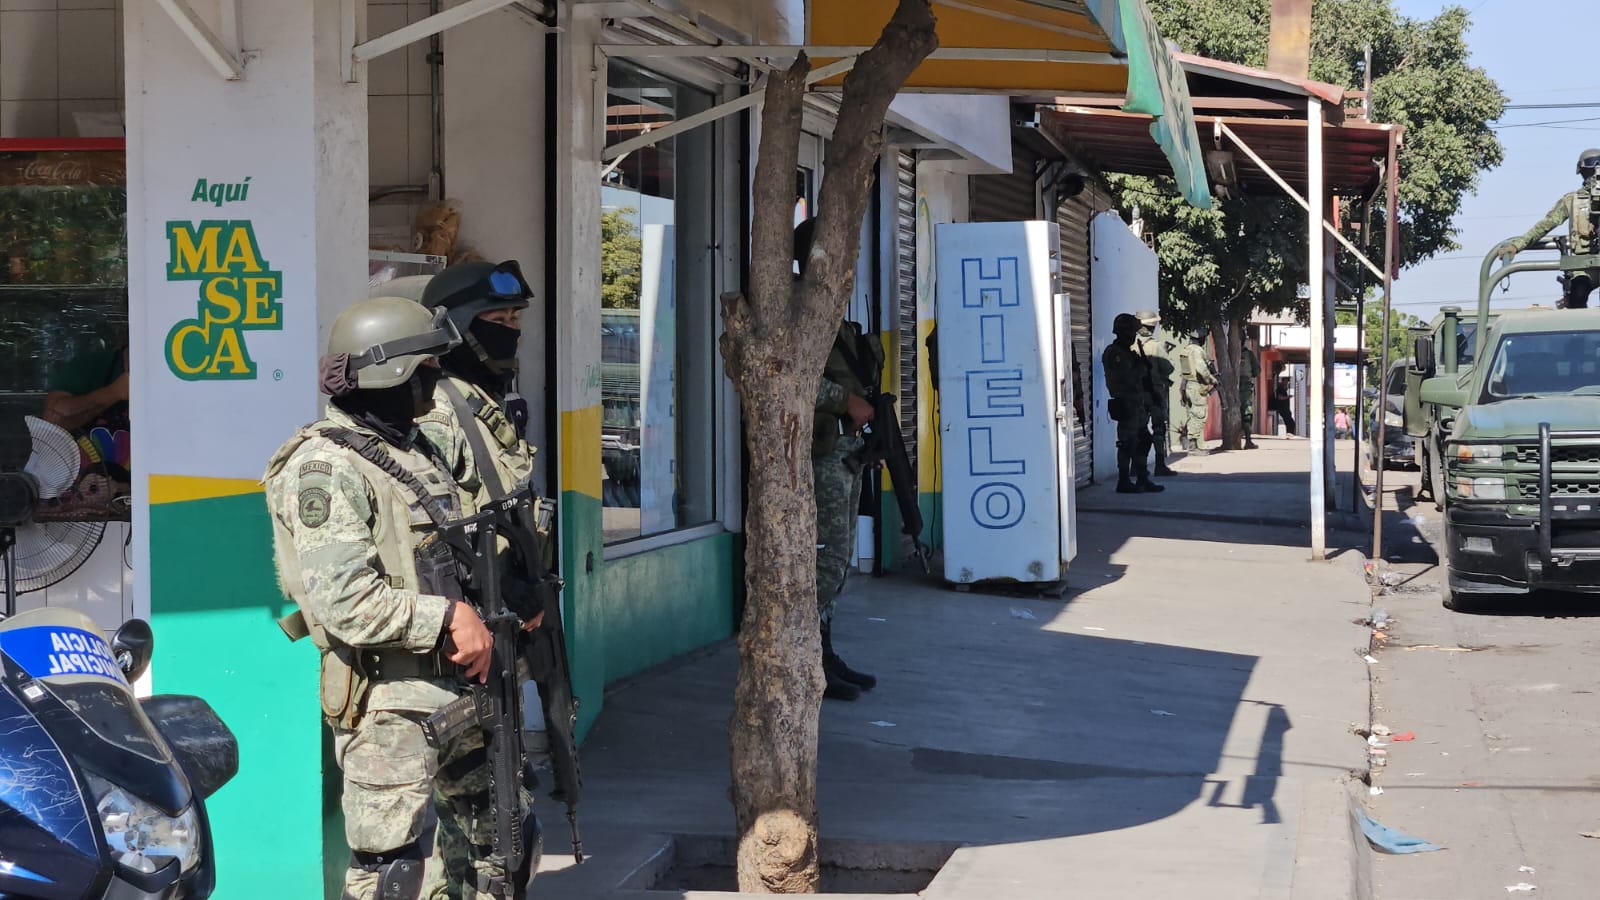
102, 795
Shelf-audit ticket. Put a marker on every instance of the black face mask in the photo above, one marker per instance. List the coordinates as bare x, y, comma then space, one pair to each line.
499, 342
393, 412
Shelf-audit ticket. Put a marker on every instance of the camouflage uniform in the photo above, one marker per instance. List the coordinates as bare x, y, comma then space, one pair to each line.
513, 456
1177, 412
347, 538
1161, 371
1197, 380
835, 474
1249, 371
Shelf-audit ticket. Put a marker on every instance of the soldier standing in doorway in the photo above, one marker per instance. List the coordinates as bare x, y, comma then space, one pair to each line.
358, 501
1160, 370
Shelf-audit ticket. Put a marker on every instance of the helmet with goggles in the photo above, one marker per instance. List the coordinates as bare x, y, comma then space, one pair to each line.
469, 288
1588, 162
385, 339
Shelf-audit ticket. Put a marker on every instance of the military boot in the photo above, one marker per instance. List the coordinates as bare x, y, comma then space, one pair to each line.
1143, 483
1124, 461
1250, 444
1162, 471
838, 688
835, 668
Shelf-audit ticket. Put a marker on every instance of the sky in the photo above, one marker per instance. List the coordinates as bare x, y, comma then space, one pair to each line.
1519, 43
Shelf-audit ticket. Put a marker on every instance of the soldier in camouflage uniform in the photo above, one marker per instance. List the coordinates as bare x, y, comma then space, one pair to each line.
355, 500
1127, 375
1575, 209
1249, 371
1196, 383
840, 414
1161, 371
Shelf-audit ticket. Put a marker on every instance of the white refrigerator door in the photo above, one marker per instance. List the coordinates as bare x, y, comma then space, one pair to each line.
1066, 462
997, 283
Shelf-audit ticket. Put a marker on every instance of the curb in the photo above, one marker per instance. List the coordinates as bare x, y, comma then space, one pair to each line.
1331, 861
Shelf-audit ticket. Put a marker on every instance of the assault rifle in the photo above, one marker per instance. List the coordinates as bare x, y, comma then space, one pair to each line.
495, 706
541, 655
885, 442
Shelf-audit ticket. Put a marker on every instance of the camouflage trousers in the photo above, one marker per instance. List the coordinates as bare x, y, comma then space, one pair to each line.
1133, 429
401, 793
836, 479
1247, 405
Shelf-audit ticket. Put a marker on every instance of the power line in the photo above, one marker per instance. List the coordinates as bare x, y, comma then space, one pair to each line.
1586, 105
1544, 124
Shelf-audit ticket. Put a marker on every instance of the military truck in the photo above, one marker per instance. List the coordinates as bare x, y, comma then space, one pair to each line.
1522, 459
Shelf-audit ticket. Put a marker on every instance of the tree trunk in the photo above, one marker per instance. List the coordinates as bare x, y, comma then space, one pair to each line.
1225, 349
774, 346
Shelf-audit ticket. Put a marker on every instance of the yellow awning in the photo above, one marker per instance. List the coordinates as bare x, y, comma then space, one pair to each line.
1038, 47
990, 25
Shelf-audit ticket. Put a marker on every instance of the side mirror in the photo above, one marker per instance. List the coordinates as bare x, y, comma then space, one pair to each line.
133, 645
1422, 358
202, 744
1444, 391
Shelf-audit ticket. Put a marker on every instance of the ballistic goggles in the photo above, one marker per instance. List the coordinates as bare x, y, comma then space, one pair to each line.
504, 283
441, 337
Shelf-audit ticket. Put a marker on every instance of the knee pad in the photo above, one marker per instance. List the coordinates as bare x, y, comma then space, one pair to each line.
400, 871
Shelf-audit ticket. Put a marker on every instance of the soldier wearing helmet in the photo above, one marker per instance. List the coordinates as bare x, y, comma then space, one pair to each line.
1161, 371
1577, 208
355, 501
1127, 375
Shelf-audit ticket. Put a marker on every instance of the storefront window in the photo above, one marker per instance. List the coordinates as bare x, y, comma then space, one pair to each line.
658, 294
63, 270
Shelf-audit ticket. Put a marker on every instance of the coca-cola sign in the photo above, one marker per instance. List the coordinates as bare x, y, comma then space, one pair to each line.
62, 167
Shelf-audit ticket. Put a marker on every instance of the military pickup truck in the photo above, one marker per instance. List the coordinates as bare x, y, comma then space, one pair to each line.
1521, 458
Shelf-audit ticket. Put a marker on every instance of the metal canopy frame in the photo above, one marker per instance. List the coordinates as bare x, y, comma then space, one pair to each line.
222, 52
752, 52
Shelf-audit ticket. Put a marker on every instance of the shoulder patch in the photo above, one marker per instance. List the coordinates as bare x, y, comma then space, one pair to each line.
314, 507
316, 467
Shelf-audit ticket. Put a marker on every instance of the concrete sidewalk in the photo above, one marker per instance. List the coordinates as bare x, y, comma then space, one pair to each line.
1178, 725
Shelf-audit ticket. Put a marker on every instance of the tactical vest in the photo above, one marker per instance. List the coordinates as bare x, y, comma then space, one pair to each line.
1580, 225
411, 553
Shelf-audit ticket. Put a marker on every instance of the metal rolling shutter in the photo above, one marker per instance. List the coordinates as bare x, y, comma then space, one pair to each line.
1073, 218
1006, 198
905, 287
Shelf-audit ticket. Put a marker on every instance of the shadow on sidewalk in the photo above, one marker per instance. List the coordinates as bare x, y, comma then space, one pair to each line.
988, 727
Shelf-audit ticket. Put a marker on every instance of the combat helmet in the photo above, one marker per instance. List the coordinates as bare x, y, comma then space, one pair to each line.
387, 338
1148, 317
1588, 162
469, 288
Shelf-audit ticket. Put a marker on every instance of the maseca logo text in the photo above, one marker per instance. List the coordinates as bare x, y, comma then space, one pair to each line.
239, 292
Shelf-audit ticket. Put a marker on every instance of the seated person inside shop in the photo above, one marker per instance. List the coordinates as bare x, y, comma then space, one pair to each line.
89, 386
88, 396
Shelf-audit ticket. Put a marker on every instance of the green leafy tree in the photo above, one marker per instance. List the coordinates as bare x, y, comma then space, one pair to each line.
1248, 253
621, 257
1400, 325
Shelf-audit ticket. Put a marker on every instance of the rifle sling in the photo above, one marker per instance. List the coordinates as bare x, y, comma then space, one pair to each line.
489, 472
468, 422
369, 450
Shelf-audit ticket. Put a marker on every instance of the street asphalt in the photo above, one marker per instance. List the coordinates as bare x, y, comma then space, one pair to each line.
1504, 711
1179, 723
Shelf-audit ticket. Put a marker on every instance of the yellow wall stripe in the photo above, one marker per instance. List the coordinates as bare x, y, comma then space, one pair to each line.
181, 488
580, 451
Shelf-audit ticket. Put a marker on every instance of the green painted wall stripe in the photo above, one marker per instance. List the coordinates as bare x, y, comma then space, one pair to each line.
214, 602
663, 604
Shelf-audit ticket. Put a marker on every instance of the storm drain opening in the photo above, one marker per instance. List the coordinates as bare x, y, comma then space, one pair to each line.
695, 862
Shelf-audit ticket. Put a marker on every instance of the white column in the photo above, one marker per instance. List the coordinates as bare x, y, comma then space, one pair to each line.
247, 235
1318, 363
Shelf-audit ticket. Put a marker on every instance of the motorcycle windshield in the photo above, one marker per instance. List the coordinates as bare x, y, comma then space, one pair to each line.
62, 651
